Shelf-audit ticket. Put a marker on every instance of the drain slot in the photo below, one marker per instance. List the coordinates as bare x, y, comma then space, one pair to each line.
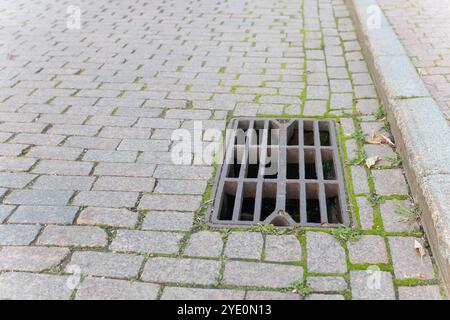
286, 173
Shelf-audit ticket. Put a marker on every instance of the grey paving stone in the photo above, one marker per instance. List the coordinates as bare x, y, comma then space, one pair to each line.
244, 245
371, 285
61, 167
110, 156
92, 143
110, 289
44, 214
264, 275
181, 186
179, 293
419, 293
32, 286
55, 153
38, 139
170, 202
108, 216
381, 150
73, 236
114, 199
168, 270
63, 183
327, 284
124, 184
365, 212
12, 164
317, 296
183, 172
5, 211
124, 169
144, 145
407, 261
393, 221
146, 241
368, 249
106, 264
205, 244
123, 132
325, 253
283, 248
39, 197
168, 220
359, 180
396, 185
34, 259
17, 234
15, 180
271, 295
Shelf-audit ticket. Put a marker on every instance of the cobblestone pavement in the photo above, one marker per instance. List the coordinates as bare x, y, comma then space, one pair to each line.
423, 26
87, 186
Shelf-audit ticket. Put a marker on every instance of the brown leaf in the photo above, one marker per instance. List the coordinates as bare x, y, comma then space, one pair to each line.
380, 139
419, 247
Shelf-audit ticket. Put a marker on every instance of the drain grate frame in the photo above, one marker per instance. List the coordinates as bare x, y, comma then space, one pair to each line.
308, 188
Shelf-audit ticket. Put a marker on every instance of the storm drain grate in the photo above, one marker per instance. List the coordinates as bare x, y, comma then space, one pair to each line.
282, 172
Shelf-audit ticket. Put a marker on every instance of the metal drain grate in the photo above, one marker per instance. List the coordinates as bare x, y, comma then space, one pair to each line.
284, 172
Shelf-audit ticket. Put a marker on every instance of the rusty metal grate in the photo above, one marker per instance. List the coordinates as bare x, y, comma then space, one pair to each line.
284, 172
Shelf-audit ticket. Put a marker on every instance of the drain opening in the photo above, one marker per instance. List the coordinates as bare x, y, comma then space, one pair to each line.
283, 173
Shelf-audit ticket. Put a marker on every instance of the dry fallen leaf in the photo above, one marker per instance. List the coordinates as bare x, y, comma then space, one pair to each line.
379, 139
372, 161
419, 247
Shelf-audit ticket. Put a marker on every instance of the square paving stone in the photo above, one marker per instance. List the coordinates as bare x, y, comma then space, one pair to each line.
392, 221
33, 286
110, 289
325, 253
169, 270
175, 293
108, 216
246, 245
407, 261
381, 150
106, 264
371, 285
35, 259
271, 295
264, 275
327, 284
389, 182
283, 248
419, 293
368, 249
44, 214
205, 244
168, 220
73, 236
146, 241
18, 234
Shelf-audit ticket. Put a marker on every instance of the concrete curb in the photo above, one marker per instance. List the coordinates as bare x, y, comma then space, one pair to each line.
421, 132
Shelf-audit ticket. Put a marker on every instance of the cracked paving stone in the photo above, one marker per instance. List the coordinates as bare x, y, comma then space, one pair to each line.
368, 249
371, 285
205, 244
108, 216
107, 264
196, 271
35, 259
146, 241
246, 245
73, 236
17, 234
178, 293
33, 286
419, 293
325, 253
111, 289
407, 261
283, 248
265, 275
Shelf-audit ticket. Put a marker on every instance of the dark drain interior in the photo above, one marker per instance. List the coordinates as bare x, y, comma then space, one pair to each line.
287, 173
